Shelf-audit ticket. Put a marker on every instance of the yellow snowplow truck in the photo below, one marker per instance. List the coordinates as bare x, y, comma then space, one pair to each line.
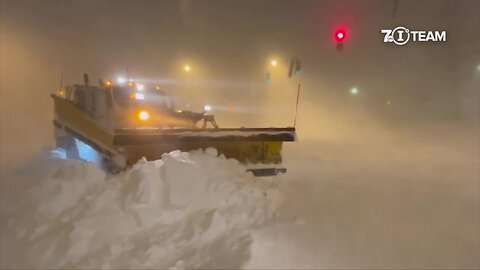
116, 125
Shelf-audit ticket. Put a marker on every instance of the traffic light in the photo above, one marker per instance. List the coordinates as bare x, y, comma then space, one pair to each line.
295, 66
269, 77
340, 36
298, 68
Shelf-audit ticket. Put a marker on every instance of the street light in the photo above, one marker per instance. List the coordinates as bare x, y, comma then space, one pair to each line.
354, 91
274, 63
187, 68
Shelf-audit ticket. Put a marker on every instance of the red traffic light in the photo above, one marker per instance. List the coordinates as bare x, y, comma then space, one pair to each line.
340, 35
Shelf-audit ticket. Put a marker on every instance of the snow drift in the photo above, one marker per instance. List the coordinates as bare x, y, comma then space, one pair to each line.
186, 210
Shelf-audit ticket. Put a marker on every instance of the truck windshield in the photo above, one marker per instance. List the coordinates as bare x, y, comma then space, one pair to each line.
128, 97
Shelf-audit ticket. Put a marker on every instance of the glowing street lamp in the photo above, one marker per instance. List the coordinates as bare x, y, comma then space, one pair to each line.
274, 63
354, 91
187, 68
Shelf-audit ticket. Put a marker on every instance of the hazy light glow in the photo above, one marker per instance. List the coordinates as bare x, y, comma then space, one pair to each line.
340, 35
139, 96
143, 115
274, 63
121, 80
207, 108
478, 68
140, 87
354, 91
187, 68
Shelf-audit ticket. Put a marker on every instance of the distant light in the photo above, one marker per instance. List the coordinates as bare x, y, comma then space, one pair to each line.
140, 87
157, 87
388, 102
143, 115
139, 96
187, 68
340, 35
130, 84
354, 91
108, 83
207, 108
478, 68
121, 80
274, 63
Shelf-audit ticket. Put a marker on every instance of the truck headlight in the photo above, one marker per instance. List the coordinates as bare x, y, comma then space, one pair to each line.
143, 115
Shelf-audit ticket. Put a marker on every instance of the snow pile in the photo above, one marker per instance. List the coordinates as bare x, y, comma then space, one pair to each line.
186, 210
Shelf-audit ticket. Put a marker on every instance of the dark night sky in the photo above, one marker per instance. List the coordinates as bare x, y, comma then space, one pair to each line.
229, 42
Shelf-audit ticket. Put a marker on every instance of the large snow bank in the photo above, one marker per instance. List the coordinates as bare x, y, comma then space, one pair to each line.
186, 210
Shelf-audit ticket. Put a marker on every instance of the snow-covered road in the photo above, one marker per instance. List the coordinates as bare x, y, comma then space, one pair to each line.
383, 207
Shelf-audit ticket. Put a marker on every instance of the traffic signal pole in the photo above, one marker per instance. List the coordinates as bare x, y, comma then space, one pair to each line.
296, 106
295, 69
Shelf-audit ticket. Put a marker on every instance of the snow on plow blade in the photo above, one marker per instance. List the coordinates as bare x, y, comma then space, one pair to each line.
247, 145
154, 136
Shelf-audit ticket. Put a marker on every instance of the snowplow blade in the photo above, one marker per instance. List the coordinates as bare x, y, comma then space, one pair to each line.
258, 148
247, 145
